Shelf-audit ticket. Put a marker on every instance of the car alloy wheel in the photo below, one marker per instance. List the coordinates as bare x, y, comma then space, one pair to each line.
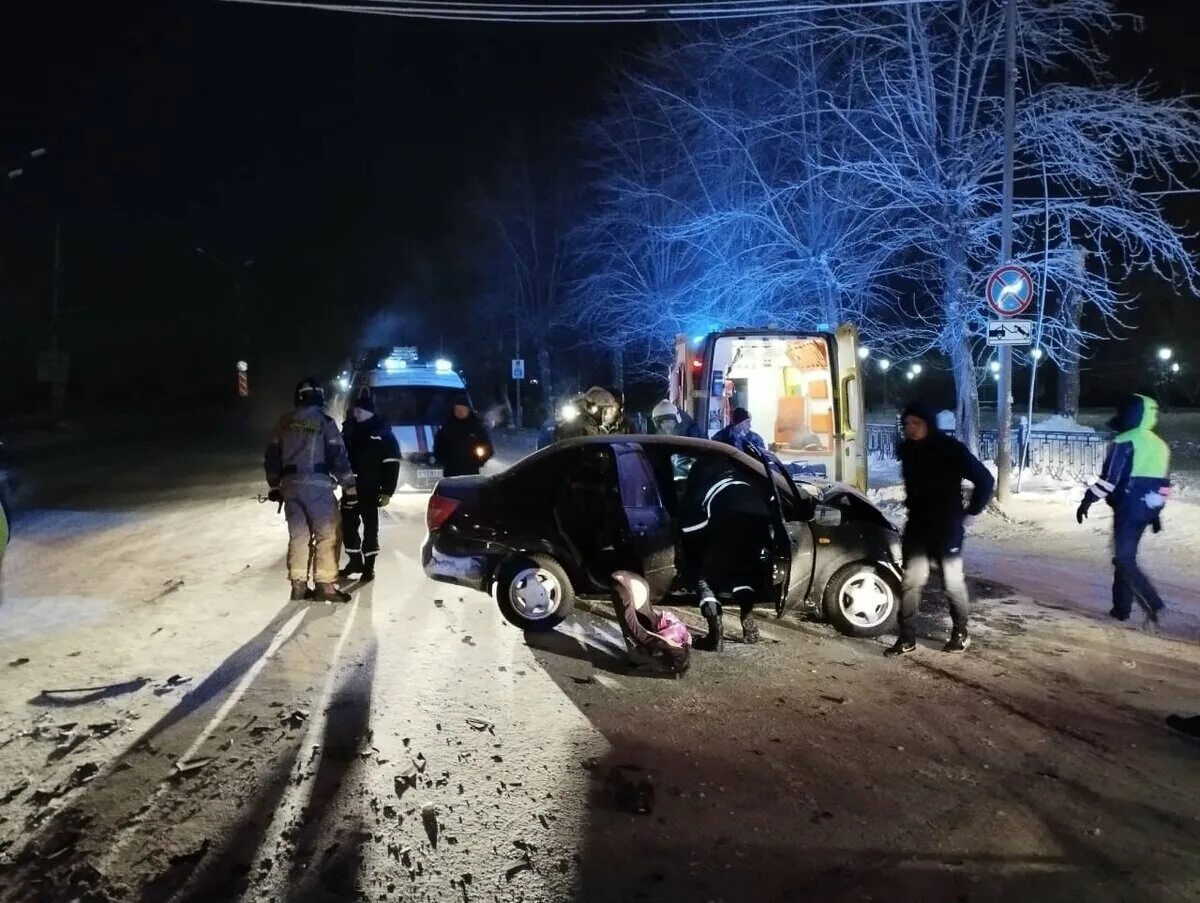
866, 599
535, 593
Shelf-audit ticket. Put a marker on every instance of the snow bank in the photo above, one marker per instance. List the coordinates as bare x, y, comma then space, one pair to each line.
1060, 424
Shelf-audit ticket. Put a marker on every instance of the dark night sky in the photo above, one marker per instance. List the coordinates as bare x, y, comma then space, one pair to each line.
334, 149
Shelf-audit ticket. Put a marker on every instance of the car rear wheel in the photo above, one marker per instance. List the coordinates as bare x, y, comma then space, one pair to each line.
863, 600
534, 593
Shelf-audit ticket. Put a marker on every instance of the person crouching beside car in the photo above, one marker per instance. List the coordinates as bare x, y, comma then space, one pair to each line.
462, 446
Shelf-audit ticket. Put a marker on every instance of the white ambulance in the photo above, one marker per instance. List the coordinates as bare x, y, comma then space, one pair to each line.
416, 399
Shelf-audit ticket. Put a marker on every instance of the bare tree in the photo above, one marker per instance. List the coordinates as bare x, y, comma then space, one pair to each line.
720, 203
1088, 161
531, 217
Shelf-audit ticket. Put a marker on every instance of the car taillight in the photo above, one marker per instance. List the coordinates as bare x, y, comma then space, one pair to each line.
439, 511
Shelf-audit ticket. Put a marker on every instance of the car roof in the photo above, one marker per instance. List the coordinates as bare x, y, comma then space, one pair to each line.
679, 442
707, 445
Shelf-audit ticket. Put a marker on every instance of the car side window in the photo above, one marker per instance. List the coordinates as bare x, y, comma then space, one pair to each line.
639, 487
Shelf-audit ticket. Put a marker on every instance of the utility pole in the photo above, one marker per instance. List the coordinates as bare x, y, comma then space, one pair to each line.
1004, 401
517, 382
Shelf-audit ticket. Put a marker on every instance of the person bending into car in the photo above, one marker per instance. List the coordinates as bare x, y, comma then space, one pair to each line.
934, 467
726, 537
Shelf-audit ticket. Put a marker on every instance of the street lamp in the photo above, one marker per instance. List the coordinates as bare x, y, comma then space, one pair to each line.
1175, 367
1036, 354
915, 370
863, 352
884, 365
1165, 354
995, 366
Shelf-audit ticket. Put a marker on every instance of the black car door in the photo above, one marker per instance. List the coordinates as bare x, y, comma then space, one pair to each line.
792, 544
649, 539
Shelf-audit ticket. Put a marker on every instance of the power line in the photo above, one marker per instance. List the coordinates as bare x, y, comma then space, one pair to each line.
562, 14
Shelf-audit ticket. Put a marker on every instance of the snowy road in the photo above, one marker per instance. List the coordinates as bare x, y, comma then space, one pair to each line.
179, 731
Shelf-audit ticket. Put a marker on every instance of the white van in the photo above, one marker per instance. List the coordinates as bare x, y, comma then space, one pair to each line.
416, 399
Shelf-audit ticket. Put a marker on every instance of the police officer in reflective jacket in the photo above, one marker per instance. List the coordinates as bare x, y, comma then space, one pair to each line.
304, 461
1136, 483
375, 460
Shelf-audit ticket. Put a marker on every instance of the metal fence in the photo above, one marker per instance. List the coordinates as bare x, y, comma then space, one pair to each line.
1061, 455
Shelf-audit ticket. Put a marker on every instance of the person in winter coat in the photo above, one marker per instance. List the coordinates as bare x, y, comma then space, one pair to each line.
462, 444
375, 459
305, 459
739, 433
666, 419
934, 466
1136, 483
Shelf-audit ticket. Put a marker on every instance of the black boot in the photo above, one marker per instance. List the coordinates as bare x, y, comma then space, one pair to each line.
714, 640
745, 600
368, 571
300, 591
355, 566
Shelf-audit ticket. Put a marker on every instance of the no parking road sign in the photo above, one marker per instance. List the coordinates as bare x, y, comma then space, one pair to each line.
1010, 290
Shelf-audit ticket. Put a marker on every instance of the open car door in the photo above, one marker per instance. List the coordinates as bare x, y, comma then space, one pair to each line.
649, 534
787, 543
851, 439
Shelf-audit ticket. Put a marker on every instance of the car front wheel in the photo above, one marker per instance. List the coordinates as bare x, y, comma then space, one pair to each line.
863, 600
534, 593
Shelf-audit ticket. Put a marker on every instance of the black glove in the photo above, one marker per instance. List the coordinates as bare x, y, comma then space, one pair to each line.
1156, 525
1081, 512
274, 495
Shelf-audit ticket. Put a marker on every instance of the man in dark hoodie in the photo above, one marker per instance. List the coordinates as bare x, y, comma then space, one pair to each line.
934, 467
375, 459
462, 445
739, 433
1136, 483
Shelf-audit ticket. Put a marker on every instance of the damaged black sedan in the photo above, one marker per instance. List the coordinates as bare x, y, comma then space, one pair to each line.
555, 526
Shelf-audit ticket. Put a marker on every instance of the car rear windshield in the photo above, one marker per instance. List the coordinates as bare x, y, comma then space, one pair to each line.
401, 405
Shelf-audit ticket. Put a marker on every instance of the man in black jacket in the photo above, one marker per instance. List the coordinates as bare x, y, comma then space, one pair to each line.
462, 446
934, 467
375, 459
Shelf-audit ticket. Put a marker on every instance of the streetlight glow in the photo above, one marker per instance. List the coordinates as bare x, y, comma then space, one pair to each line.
1175, 367
915, 369
863, 352
1165, 354
884, 363
995, 366
911, 376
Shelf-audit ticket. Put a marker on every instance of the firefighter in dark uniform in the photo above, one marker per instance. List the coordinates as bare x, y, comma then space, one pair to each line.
1136, 484
375, 459
304, 461
726, 545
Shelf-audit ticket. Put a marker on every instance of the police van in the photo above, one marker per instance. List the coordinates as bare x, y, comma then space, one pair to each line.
416, 399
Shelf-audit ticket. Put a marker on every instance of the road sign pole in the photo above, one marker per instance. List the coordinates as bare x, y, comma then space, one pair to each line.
1004, 405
